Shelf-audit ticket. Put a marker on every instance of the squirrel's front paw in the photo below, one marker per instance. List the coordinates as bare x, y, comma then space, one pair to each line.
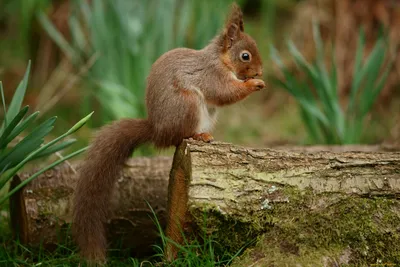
255, 84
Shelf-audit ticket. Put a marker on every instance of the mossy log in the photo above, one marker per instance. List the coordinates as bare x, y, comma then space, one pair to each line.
303, 208
41, 211
305, 205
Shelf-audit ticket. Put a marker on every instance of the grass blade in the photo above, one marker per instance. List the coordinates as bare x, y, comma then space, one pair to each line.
337, 109
325, 91
314, 74
19, 95
356, 77
301, 62
77, 34
370, 99
8, 130
311, 125
358, 60
372, 71
297, 89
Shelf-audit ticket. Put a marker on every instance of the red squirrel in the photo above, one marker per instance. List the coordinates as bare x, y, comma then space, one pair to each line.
184, 88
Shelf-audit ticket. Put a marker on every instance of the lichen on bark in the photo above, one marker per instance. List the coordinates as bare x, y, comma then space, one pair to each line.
298, 208
323, 229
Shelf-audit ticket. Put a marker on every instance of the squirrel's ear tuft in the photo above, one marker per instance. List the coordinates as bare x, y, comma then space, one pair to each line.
234, 26
235, 17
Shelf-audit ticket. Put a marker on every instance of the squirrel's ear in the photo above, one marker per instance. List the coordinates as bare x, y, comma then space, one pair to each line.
234, 26
235, 17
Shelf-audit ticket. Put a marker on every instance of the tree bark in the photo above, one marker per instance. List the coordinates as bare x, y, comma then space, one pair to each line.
294, 194
245, 191
41, 211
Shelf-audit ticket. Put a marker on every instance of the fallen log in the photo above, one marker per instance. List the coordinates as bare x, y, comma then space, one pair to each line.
305, 208
41, 211
302, 204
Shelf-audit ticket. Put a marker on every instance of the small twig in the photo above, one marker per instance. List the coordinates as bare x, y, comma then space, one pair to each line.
60, 156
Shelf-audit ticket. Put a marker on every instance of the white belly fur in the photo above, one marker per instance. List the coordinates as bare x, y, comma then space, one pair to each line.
207, 118
207, 113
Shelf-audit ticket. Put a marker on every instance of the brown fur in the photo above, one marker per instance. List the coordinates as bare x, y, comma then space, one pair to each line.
179, 83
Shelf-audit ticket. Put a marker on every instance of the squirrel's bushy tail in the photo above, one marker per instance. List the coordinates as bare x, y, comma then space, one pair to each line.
97, 175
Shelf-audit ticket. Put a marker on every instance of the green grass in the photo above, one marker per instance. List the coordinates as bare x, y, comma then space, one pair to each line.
202, 251
126, 38
325, 119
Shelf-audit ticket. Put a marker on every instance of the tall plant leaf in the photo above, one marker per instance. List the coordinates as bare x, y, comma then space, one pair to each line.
8, 130
19, 95
4, 108
22, 126
30, 143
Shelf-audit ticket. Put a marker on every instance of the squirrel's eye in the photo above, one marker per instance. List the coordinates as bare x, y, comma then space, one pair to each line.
245, 56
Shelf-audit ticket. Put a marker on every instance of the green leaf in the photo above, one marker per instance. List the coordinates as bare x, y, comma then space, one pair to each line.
371, 98
301, 62
29, 144
326, 93
34, 176
8, 130
334, 77
372, 72
337, 109
318, 41
19, 95
17, 153
307, 104
290, 84
3, 180
4, 108
79, 124
22, 126
40, 150
274, 55
312, 109
77, 33
357, 66
311, 125
54, 149
355, 86
315, 75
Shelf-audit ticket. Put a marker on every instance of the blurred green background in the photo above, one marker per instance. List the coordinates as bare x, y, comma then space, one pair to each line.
95, 55
331, 68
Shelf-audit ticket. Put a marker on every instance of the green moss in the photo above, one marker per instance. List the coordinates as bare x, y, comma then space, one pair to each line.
216, 226
311, 229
